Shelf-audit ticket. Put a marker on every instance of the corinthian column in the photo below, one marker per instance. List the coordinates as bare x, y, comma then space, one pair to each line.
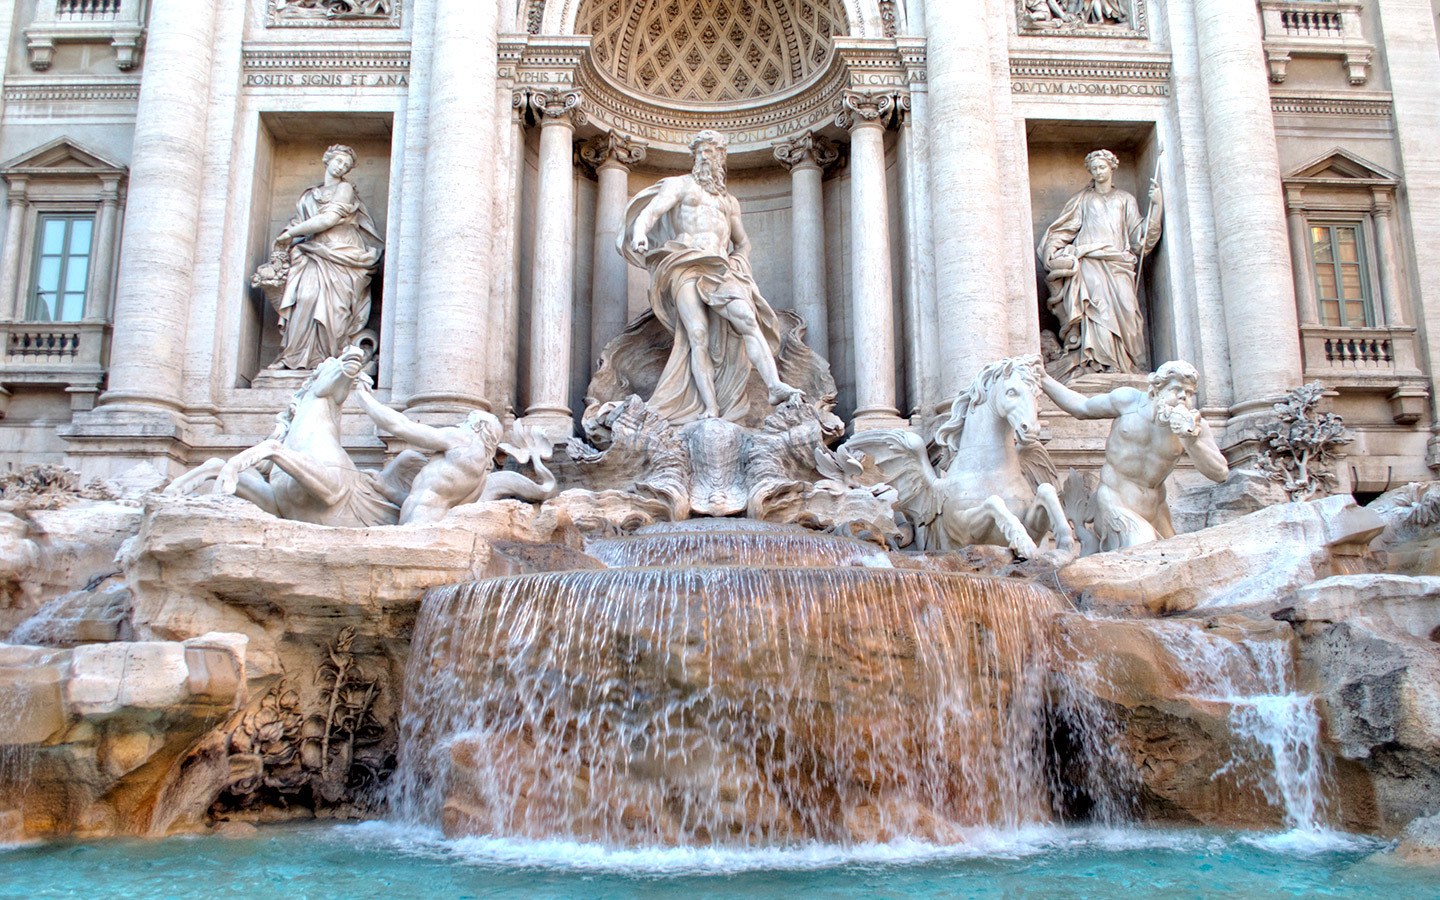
872, 295
965, 194
456, 248
1254, 249
807, 157
552, 281
611, 155
167, 178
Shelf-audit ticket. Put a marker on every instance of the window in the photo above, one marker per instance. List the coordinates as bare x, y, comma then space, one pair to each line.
62, 268
1342, 277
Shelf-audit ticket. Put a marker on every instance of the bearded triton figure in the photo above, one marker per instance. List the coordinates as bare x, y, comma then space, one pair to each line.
686, 232
1091, 257
318, 278
1151, 432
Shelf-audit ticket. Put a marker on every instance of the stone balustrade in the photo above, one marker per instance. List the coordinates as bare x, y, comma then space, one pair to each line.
69, 354
1315, 28
113, 22
1374, 360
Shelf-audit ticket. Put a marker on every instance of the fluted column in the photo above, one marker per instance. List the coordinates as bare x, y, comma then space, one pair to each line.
611, 156
552, 281
103, 251
11, 300
807, 157
152, 299
965, 194
1307, 306
1386, 261
1254, 250
872, 294
456, 250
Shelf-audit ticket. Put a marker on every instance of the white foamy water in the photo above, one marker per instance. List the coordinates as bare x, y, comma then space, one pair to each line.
1280, 725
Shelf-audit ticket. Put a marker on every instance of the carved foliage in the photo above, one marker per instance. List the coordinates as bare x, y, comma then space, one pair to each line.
334, 755
808, 149
1302, 444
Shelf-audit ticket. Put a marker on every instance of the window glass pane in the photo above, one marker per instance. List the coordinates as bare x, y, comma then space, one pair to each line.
1346, 238
1350, 281
52, 236
44, 310
1355, 314
1330, 312
48, 276
73, 309
1325, 277
80, 236
78, 268
1320, 244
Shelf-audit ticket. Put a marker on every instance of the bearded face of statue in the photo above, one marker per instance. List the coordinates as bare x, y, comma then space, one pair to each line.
709, 170
1173, 405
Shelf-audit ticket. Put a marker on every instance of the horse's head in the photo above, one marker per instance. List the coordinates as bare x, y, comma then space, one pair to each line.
334, 378
1011, 388
1015, 394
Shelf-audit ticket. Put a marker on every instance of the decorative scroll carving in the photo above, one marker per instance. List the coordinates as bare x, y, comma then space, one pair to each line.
611, 147
1086, 18
808, 149
857, 108
333, 12
556, 104
534, 16
890, 18
711, 50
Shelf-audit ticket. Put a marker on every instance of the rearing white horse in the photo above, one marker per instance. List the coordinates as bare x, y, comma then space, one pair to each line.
995, 481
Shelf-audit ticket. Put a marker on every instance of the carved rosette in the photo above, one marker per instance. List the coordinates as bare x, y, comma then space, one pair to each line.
611, 149
556, 106
809, 149
859, 109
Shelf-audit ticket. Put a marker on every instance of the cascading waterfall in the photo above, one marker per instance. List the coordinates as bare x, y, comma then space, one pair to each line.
728, 706
1255, 679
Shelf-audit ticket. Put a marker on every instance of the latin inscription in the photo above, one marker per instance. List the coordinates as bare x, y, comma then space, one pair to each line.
1091, 88
327, 79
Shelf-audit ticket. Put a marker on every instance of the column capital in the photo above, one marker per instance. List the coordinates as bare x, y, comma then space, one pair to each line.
19, 189
612, 149
556, 106
809, 150
1382, 203
860, 109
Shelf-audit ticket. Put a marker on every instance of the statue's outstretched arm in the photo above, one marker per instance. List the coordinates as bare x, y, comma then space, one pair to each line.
397, 424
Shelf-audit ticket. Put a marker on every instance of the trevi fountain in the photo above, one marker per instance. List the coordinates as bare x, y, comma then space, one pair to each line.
741, 447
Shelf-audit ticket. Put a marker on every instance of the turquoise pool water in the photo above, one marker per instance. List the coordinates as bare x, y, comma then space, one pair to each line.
377, 860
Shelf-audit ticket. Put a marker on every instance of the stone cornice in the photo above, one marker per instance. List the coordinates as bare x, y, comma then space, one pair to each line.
90, 90
1373, 106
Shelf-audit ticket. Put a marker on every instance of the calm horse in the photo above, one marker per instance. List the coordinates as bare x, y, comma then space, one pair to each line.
994, 486
308, 475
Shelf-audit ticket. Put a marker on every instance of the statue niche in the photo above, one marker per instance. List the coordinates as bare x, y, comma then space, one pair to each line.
319, 273
710, 403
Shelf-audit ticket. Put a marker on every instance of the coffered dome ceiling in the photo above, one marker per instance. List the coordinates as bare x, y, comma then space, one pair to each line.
714, 51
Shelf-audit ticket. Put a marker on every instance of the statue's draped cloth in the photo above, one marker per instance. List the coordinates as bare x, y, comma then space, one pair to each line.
1098, 306
327, 295
719, 280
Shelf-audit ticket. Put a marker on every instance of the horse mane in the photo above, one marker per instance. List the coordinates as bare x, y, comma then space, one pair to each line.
286, 417
978, 394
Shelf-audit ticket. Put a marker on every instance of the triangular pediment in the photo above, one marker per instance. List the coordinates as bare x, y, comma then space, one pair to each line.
1340, 165
62, 156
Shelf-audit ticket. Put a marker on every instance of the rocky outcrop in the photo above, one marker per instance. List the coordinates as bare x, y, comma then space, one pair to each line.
1366, 650
1176, 733
90, 738
1257, 561
1420, 842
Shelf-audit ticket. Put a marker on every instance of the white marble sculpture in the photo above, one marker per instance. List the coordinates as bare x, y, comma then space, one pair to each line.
460, 472
686, 231
995, 481
318, 276
302, 471
1151, 432
1092, 255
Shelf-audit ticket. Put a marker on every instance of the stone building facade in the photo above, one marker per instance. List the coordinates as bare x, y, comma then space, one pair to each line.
897, 163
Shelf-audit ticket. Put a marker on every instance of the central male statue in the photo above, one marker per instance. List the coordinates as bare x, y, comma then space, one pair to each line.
686, 232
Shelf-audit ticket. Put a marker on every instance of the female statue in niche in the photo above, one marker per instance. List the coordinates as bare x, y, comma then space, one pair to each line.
1091, 256
318, 277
